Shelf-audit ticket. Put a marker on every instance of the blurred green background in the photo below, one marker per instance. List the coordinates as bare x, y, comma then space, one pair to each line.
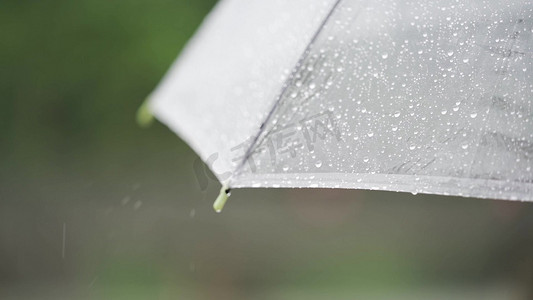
93, 207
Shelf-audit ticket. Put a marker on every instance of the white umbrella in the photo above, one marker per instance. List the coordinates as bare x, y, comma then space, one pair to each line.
417, 96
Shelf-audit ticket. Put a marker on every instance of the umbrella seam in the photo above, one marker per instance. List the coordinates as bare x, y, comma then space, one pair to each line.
285, 86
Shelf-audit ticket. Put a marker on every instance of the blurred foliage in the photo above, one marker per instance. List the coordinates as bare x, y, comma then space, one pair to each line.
73, 74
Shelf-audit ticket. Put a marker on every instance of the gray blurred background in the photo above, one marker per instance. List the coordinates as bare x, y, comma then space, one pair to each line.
93, 207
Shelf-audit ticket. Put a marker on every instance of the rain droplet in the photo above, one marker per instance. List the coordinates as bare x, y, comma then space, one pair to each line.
137, 205
318, 164
444, 112
397, 114
384, 55
450, 53
125, 200
464, 146
370, 134
412, 147
473, 115
465, 60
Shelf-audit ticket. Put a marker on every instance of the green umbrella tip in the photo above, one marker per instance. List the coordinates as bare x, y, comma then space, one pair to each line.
144, 115
225, 192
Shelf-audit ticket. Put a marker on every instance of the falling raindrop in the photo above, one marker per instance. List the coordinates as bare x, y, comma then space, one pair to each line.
125, 200
137, 205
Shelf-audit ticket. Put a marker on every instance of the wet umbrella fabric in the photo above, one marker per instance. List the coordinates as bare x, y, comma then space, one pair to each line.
416, 96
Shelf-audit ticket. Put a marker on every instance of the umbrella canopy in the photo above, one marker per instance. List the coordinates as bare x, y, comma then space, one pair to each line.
416, 96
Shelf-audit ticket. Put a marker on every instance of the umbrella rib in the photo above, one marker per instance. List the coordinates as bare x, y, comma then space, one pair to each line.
286, 85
